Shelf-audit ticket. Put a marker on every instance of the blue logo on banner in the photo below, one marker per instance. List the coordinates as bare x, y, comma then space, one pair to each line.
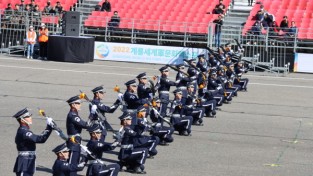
102, 50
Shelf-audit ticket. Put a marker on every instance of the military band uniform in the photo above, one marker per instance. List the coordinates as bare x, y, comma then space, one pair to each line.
97, 147
131, 99
101, 109
228, 93
74, 126
165, 85
243, 82
144, 91
133, 158
195, 109
180, 121
207, 101
25, 141
61, 166
183, 80
145, 141
215, 89
163, 132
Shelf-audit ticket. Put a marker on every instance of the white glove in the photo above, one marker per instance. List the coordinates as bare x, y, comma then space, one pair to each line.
114, 144
82, 164
84, 148
93, 109
158, 125
50, 122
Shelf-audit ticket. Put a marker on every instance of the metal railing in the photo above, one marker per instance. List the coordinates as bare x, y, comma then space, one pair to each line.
266, 54
14, 25
270, 49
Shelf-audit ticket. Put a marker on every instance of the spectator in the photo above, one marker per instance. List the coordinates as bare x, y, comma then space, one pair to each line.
31, 40
43, 41
250, 2
36, 16
218, 30
59, 8
22, 5
48, 7
9, 9
220, 4
262, 8
17, 8
36, 11
27, 8
259, 16
274, 30
257, 28
106, 6
8, 12
219, 8
32, 5
98, 7
292, 30
53, 11
114, 21
284, 24
268, 20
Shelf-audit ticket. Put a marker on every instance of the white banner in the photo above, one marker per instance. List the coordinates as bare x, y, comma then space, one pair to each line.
144, 53
303, 63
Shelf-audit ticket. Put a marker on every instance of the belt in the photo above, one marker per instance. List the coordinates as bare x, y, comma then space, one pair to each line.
164, 92
74, 135
93, 161
129, 146
26, 153
176, 115
131, 110
182, 88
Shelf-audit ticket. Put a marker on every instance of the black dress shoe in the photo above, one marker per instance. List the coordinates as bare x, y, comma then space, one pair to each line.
163, 143
138, 170
150, 156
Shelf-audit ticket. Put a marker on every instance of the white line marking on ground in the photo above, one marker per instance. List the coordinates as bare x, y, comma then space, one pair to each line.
85, 64
120, 74
305, 79
145, 68
76, 71
280, 85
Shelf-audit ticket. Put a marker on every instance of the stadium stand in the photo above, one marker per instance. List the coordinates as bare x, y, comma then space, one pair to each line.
162, 11
300, 11
41, 3
49, 19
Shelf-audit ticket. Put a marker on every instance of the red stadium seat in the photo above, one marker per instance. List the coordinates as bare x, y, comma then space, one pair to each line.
300, 11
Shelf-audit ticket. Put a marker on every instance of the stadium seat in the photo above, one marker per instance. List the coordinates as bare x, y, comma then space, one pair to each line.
299, 11
166, 10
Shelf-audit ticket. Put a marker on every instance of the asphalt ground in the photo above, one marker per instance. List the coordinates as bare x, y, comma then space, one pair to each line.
265, 131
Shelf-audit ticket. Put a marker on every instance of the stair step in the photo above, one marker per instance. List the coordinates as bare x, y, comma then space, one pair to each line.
235, 18
238, 23
240, 11
92, 1
84, 9
242, 8
88, 5
234, 21
238, 14
242, 3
